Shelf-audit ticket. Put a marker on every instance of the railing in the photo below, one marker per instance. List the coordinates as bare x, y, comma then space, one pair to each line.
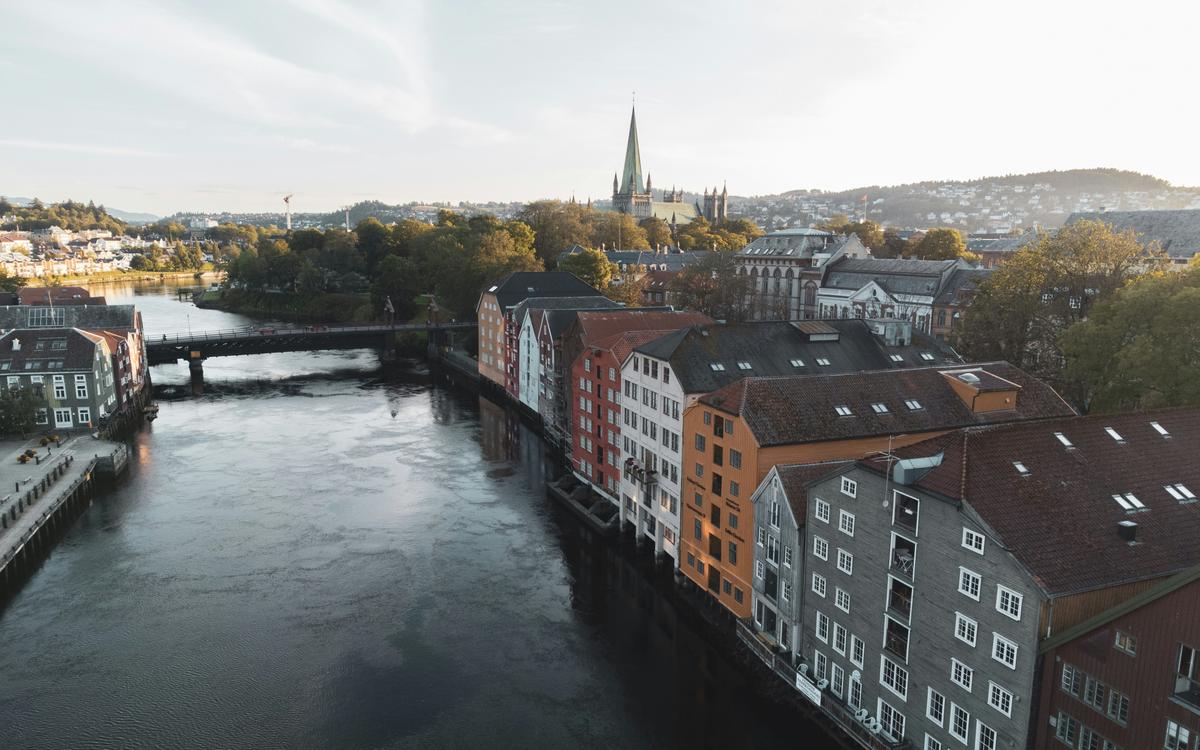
901, 604
1187, 690
258, 332
8, 555
897, 645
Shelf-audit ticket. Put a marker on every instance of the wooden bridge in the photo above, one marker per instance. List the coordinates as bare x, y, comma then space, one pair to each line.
198, 346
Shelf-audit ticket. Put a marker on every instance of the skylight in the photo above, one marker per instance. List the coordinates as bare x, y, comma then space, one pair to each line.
1129, 501
913, 404
1064, 440
843, 411
1160, 429
717, 367
1114, 434
927, 356
1021, 468
880, 408
897, 358
1179, 492
822, 362
797, 363
744, 366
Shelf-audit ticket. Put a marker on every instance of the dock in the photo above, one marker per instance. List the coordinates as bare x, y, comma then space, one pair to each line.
39, 494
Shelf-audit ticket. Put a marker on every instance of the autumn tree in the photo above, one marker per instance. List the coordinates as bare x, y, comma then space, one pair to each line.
591, 266
557, 226
713, 286
941, 243
614, 230
1021, 310
869, 232
627, 288
658, 232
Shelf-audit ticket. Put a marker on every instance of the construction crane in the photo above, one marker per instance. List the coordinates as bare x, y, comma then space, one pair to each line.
287, 202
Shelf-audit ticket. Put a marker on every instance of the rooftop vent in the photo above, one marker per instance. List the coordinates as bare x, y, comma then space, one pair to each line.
909, 470
1127, 530
969, 377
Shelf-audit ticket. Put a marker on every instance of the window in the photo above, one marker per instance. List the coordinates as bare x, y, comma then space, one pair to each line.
1004, 651
932, 744
819, 662
858, 650
1129, 502
797, 363
846, 523
760, 569
897, 358
762, 533
843, 411
1021, 468
85, 415
818, 584
892, 720
960, 723
822, 361
787, 590
879, 408
927, 356
972, 540
1072, 681
913, 404
837, 680
1000, 699
772, 550
961, 674
717, 367
735, 459
1179, 492
822, 511
821, 547
60, 387
697, 529
985, 736
699, 469
969, 583
855, 697
62, 417
1067, 729
839, 638
699, 442
894, 677
1178, 737
743, 365
1008, 602
1118, 707
733, 556
906, 512
842, 600
46, 317
787, 556
732, 520
845, 562
774, 514
935, 707
965, 629
822, 627
1126, 642
1160, 429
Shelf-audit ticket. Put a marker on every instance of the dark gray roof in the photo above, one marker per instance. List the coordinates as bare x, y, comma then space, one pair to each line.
961, 285
770, 346
670, 261
787, 411
88, 317
593, 301
1178, 232
896, 276
522, 285
559, 320
36, 348
1007, 244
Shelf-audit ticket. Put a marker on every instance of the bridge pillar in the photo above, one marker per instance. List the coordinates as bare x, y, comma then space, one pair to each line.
196, 367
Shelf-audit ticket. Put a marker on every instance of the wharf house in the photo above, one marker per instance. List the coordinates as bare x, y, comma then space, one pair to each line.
734, 435
785, 270
899, 289
69, 369
662, 378
527, 318
498, 330
603, 341
1022, 585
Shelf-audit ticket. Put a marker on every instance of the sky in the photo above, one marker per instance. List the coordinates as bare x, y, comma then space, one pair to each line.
209, 105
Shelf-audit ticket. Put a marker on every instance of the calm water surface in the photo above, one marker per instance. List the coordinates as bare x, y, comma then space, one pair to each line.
318, 552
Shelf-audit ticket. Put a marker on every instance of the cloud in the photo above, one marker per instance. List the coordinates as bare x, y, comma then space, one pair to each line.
78, 148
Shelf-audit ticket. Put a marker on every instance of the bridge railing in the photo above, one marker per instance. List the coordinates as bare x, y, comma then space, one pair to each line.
253, 332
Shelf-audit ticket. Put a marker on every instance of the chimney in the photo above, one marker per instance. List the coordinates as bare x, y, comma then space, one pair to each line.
1127, 530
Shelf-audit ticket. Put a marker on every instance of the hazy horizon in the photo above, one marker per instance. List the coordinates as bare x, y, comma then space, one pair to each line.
172, 106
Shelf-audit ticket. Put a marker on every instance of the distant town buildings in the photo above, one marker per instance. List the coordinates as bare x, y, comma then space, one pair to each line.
1177, 233
59, 252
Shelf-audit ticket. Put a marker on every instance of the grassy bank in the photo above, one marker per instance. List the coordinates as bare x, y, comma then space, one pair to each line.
117, 276
324, 308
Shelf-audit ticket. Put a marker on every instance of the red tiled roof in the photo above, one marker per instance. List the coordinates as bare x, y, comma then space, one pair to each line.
803, 409
1060, 520
595, 326
621, 344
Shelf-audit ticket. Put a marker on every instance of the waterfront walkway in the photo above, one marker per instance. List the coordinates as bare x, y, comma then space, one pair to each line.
32, 492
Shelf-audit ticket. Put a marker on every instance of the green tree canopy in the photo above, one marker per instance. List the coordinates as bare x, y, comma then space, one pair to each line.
658, 232
397, 279
591, 266
714, 286
941, 243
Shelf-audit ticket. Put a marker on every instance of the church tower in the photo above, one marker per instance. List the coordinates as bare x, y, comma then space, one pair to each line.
631, 195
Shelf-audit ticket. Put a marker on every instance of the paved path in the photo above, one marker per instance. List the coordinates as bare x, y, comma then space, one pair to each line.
16, 479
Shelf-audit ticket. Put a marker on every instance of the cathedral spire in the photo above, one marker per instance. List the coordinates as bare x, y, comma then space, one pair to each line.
631, 179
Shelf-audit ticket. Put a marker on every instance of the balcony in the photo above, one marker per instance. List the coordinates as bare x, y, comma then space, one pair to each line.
900, 600
1187, 691
896, 644
902, 561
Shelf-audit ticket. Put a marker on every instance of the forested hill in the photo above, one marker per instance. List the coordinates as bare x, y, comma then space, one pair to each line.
984, 204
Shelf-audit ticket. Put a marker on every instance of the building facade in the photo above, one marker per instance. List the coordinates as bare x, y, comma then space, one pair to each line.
70, 370
871, 288
785, 270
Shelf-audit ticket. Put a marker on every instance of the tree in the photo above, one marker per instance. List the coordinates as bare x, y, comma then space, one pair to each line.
1022, 308
617, 231
397, 279
894, 246
10, 283
18, 411
627, 288
591, 266
1139, 348
714, 286
658, 232
557, 226
941, 243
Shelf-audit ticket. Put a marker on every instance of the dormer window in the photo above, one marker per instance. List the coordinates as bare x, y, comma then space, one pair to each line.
1064, 440
843, 411
913, 404
1129, 502
927, 356
880, 408
797, 363
897, 358
744, 366
717, 367
822, 362
1114, 435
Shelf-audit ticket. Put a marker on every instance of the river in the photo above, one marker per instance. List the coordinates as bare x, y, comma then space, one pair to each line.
322, 553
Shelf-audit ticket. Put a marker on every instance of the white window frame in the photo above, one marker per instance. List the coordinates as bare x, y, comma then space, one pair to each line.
879, 715
955, 710
960, 620
846, 522
980, 727
996, 693
819, 585
842, 636
900, 677
858, 651
932, 744
822, 626
849, 487
820, 548
84, 414
1013, 596
972, 576
940, 717
848, 568
821, 511
957, 667
840, 594
973, 540
999, 643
